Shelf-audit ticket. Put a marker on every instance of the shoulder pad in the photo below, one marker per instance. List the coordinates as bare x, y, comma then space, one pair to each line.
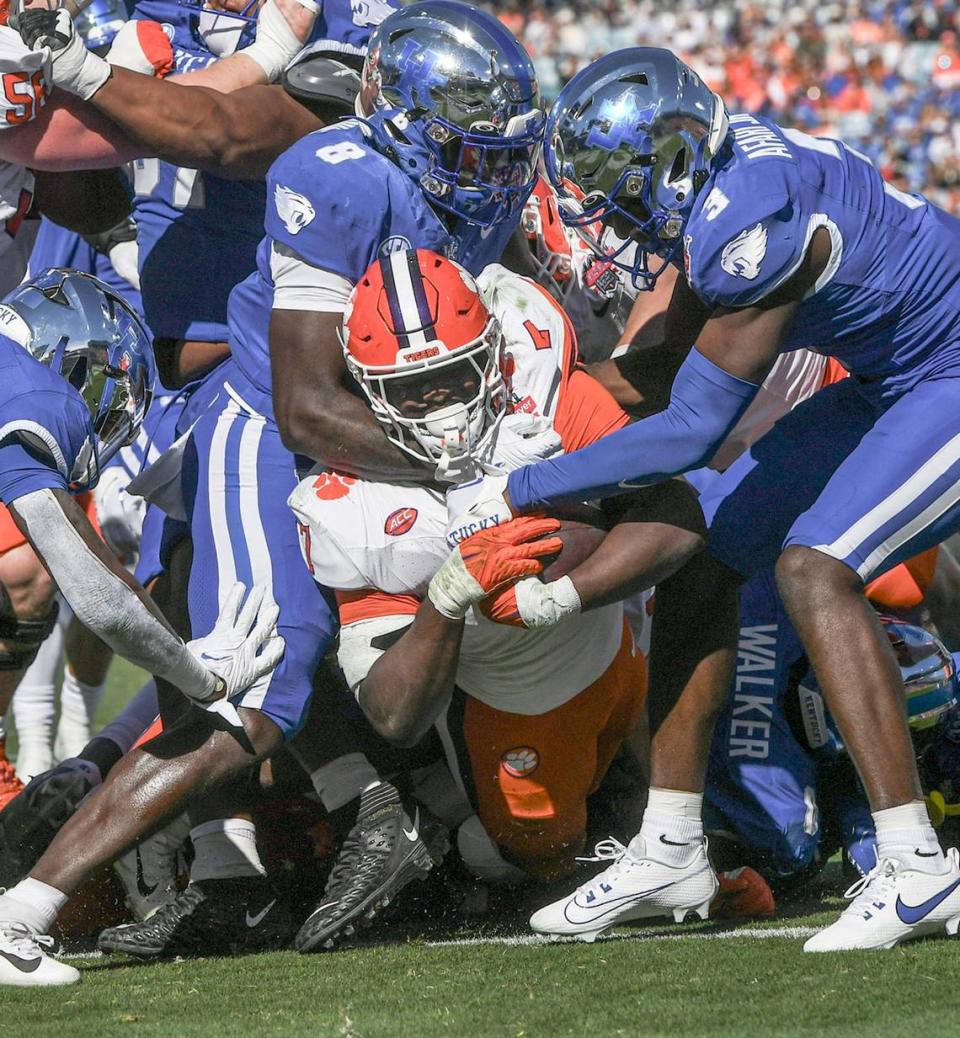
336, 201
357, 534
744, 236
540, 343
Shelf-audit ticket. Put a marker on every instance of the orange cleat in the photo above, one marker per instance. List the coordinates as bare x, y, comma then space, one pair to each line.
743, 894
10, 785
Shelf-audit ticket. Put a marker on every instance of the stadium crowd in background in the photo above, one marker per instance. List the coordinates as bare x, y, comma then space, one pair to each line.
883, 76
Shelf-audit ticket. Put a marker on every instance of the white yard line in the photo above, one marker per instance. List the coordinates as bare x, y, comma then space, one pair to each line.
524, 940
533, 939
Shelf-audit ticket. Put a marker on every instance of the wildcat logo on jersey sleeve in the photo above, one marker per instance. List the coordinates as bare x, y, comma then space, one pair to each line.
294, 209
742, 256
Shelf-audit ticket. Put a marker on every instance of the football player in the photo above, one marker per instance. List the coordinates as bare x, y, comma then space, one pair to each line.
200, 232
441, 359
79, 379
784, 240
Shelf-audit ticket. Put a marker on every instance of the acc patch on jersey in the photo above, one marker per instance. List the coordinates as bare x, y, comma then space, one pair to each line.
742, 256
294, 209
520, 762
400, 522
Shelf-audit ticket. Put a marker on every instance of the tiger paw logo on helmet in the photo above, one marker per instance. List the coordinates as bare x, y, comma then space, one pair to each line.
520, 762
329, 486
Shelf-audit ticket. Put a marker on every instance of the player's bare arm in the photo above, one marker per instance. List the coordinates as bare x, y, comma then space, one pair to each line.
155, 119
714, 385
640, 379
407, 687
317, 413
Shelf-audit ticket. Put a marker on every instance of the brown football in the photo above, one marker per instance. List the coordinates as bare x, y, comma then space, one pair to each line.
580, 541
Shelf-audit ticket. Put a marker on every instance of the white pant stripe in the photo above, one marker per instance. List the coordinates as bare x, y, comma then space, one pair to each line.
216, 470
912, 489
254, 536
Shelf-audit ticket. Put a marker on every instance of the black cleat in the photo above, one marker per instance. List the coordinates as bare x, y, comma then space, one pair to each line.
209, 917
30, 821
383, 852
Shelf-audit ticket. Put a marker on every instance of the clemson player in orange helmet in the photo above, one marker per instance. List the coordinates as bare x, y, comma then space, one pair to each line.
529, 718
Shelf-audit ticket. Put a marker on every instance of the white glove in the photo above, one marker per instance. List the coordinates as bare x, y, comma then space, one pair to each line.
124, 258
277, 44
73, 68
119, 513
476, 506
142, 46
525, 439
241, 648
543, 605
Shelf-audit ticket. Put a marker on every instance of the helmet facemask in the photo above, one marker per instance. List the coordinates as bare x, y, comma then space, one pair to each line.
437, 399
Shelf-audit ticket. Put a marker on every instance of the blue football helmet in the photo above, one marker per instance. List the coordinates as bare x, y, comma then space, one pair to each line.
79, 327
457, 106
99, 22
629, 143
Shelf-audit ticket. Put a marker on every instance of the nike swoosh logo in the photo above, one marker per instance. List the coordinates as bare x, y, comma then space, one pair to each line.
629, 484
24, 965
672, 843
603, 908
142, 887
412, 834
256, 920
911, 914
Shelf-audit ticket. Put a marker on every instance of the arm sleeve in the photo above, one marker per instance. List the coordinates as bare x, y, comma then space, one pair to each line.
705, 404
105, 603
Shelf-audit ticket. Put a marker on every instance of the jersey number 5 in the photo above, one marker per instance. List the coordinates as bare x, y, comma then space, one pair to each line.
23, 91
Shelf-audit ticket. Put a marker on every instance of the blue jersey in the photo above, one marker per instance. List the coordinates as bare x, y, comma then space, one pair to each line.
346, 24
45, 428
888, 304
336, 202
55, 246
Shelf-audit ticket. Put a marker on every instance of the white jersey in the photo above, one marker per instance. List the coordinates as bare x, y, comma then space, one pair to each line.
361, 536
25, 81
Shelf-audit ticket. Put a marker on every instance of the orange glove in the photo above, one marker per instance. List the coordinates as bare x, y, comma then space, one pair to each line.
488, 560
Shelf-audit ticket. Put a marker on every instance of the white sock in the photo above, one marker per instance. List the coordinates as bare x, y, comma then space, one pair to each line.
343, 779
225, 848
134, 719
905, 834
33, 903
78, 707
35, 706
672, 828
3, 728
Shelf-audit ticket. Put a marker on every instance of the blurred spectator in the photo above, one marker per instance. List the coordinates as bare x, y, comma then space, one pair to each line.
883, 75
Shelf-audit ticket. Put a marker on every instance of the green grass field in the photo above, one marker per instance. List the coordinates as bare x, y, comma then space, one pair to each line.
699, 979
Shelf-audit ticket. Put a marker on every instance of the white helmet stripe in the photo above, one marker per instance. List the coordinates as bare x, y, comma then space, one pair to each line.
413, 320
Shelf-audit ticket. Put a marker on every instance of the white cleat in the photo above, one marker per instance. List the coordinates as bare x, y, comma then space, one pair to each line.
23, 962
632, 887
895, 903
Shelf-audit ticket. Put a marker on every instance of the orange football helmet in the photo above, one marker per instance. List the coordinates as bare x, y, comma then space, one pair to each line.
426, 351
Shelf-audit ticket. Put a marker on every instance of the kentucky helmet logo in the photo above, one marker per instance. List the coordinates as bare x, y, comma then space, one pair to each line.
293, 209
742, 256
